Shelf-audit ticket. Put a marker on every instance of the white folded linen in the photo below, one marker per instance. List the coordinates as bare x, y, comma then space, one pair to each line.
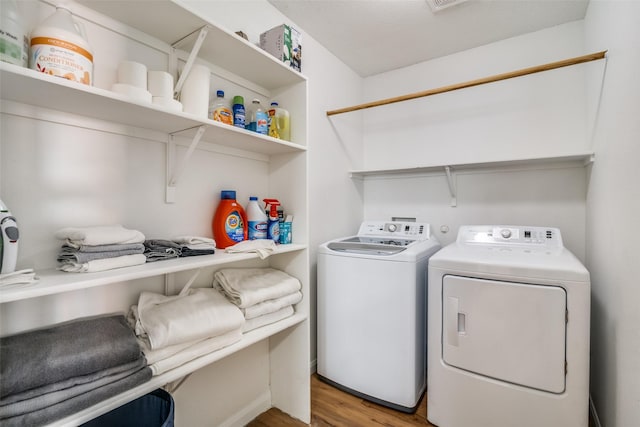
272, 305
169, 320
263, 247
104, 264
18, 278
267, 319
99, 235
249, 286
193, 240
195, 350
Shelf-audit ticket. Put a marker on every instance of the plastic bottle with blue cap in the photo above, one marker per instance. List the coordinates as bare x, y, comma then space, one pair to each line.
257, 219
229, 223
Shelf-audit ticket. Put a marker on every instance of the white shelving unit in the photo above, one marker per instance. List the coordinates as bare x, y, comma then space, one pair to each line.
177, 25
27, 86
575, 159
55, 282
578, 158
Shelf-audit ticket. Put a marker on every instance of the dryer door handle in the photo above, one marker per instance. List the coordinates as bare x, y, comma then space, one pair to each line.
452, 320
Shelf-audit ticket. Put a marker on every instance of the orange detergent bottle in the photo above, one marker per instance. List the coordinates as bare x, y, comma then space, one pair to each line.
229, 223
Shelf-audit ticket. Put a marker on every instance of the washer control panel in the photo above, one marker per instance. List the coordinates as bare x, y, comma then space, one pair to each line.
509, 234
409, 230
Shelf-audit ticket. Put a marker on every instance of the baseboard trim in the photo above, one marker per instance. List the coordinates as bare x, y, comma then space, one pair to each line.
594, 413
249, 412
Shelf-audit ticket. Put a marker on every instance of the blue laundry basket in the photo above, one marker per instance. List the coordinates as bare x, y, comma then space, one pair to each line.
155, 409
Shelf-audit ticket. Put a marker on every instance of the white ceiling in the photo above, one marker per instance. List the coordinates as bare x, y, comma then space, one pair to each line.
374, 36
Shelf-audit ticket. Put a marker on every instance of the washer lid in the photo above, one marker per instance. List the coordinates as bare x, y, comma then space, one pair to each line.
367, 245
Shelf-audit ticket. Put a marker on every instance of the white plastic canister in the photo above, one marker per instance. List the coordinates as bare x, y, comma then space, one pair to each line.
59, 47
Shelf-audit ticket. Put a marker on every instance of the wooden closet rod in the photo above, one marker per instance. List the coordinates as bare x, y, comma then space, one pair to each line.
523, 72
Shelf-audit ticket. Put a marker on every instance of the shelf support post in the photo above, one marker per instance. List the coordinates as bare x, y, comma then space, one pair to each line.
173, 176
452, 186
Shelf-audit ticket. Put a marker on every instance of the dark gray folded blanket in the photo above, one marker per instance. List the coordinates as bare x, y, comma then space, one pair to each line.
187, 251
75, 404
90, 253
158, 250
51, 394
72, 349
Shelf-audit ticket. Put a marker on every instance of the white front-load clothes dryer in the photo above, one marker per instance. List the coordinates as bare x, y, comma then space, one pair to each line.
372, 291
508, 331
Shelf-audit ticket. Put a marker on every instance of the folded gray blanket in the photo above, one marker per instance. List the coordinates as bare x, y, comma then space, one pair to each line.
158, 250
72, 349
104, 248
187, 251
42, 397
78, 403
68, 253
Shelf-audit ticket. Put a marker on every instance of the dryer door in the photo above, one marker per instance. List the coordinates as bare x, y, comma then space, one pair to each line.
514, 332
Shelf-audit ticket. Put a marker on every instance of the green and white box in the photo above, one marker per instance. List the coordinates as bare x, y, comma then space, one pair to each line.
285, 43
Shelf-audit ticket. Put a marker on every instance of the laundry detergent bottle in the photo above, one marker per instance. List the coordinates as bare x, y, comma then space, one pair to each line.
229, 223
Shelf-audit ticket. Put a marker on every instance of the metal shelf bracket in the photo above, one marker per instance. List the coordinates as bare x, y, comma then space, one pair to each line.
173, 174
451, 178
191, 59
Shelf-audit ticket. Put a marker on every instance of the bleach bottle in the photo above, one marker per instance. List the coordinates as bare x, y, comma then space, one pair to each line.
258, 221
229, 221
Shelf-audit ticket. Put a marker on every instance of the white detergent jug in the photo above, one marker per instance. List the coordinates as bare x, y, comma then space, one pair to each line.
59, 47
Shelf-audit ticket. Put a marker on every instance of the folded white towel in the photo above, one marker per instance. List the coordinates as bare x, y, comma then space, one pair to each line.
193, 240
170, 320
249, 286
100, 235
103, 264
263, 247
18, 278
267, 319
272, 305
194, 350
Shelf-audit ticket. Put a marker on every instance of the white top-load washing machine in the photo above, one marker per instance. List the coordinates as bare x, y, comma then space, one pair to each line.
372, 312
508, 330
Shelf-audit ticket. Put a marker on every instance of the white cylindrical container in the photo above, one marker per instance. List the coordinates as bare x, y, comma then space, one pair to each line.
133, 92
160, 84
133, 73
195, 91
257, 219
14, 42
59, 47
168, 103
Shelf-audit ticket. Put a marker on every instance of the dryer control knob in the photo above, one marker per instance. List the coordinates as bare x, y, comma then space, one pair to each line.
506, 233
393, 227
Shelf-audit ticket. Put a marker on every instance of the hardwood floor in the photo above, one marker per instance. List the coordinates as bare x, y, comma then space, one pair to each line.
331, 407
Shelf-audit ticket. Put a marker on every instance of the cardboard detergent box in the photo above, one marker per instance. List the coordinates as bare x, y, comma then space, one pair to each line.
285, 43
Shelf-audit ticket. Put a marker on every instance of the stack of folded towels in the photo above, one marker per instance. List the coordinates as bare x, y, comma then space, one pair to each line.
264, 295
173, 330
92, 249
51, 373
181, 246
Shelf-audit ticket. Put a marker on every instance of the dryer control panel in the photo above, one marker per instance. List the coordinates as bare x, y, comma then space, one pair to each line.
396, 229
510, 234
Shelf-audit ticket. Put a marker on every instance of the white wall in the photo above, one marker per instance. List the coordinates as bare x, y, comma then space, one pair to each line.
335, 145
539, 115
613, 210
